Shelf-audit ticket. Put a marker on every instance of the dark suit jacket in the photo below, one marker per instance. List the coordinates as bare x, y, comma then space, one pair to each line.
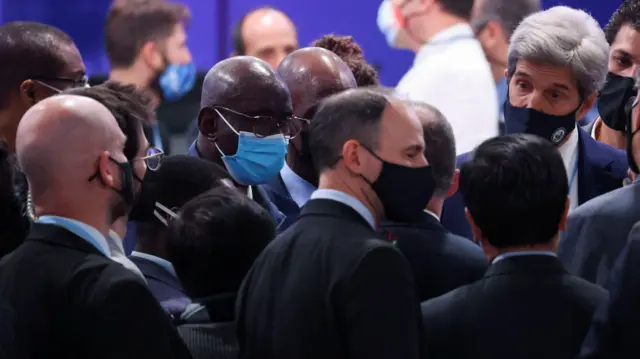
329, 288
524, 307
164, 286
72, 302
597, 233
601, 169
440, 261
616, 325
278, 194
209, 329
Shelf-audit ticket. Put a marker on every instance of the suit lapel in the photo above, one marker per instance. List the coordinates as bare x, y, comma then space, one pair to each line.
155, 271
280, 195
594, 170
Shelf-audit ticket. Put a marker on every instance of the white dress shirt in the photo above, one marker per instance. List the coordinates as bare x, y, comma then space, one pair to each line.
569, 153
451, 73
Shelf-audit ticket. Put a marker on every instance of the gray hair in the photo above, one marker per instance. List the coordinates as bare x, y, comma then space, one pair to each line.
563, 36
440, 145
508, 12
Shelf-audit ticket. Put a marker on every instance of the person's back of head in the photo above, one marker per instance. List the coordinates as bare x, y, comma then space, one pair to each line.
351, 53
70, 149
13, 227
215, 239
515, 188
175, 182
37, 61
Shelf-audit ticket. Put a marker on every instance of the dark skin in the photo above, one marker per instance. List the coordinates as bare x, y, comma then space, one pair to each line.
243, 84
311, 74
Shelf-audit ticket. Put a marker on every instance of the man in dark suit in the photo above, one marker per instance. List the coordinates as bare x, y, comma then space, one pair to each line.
244, 121
440, 260
176, 181
328, 285
516, 195
597, 231
616, 324
311, 74
220, 231
593, 168
73, 301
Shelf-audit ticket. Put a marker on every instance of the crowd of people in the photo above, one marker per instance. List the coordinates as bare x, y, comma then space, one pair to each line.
477, 210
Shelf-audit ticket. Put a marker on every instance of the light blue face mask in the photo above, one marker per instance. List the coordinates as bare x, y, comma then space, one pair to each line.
258, 160
387, 22
177, 80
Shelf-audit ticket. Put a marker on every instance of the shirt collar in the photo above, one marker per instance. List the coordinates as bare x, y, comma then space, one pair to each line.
299, 189
447, 36
432, 214
569, 149
347, 200
502, 256
193, 150
157, 260
89, 233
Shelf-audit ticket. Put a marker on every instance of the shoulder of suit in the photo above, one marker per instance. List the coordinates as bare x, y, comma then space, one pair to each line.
612, 202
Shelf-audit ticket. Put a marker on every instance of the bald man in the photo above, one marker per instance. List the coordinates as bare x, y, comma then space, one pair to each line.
311, 74
244, 122
72, 301
265, 33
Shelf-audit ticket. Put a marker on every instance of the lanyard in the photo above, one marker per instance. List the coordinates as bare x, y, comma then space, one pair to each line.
450, 40
575, 171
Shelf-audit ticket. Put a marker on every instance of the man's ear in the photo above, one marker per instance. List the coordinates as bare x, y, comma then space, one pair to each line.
455, 181
207, 124
563, 221
28, 92
150, 54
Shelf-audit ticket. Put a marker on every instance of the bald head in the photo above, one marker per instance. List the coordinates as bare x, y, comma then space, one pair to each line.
246, 84
312, 74
60, 139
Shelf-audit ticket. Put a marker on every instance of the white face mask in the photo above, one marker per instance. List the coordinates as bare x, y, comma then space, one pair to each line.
166, 210
387, 22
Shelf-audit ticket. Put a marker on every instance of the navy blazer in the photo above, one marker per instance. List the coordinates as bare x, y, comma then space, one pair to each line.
601, 169
278, 194
164, 286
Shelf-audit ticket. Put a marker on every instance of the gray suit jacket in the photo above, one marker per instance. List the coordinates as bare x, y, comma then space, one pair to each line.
597, 233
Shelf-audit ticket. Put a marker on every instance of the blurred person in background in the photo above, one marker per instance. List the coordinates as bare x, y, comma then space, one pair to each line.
450, 70
557, 62
493, 22
244, 122
177, 180
311, 74
440, 261
351, 53
391, 26
265, 33
13, 225
623, 34
213, 241
146, 44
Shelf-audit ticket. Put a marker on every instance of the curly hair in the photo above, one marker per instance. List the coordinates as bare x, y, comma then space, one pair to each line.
351, 53
627, 13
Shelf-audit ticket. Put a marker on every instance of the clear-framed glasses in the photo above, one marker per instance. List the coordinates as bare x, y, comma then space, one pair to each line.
152, 159
77, 82
262, 126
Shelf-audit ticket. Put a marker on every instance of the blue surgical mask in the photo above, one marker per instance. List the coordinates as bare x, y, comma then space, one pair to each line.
257, 160
387, 22
177, 80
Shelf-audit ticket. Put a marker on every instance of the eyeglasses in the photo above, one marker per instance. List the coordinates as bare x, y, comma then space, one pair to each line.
262, 126
81, 82
152, 159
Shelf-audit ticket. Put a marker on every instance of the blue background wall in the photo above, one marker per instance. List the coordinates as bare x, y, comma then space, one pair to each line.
212, 20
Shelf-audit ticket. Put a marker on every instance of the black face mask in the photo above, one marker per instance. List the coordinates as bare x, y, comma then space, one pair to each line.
613, 98
629, 134
145, 204
527, 120
126, 192
403, 191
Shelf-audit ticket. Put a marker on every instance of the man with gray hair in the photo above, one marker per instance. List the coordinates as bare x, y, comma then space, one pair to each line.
72, 300
440, 261
557, 61
493, 22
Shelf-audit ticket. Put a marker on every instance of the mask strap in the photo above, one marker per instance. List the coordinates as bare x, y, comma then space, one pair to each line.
166, 210
48, 86
230, 127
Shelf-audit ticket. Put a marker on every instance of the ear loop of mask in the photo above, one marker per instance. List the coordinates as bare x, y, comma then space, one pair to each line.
228, 124
166, 210
56, 90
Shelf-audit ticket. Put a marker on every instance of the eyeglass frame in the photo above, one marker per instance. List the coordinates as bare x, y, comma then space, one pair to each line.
289, 119
84, 82
160, 154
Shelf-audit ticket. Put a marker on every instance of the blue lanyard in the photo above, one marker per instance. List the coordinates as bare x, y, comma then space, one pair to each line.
450, 40
575, 171
77, 228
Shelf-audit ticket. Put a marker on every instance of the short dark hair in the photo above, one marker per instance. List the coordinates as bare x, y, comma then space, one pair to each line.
515, 188
130, 106
179, 179
215, 241
440, 145
132, 23
351, 53
509, 13
352, 114
236, 33
459, 8
29, 49
627, 13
